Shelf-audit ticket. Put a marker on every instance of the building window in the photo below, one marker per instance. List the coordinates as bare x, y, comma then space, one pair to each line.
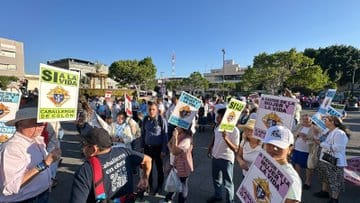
9, 54
8, 46
7, 67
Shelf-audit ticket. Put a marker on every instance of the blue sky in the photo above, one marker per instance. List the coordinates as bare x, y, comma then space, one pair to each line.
196, 30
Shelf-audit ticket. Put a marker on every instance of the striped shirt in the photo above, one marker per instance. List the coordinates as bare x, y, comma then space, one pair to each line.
184, 161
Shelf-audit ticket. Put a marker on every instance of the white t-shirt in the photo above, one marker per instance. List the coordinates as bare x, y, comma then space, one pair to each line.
300, 144
220, 149
249, 153
296, 188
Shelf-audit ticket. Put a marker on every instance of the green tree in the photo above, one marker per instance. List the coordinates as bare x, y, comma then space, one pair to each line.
141, 74
175, 85
272, 72
309, 79
195, 82
6, 80
339, 61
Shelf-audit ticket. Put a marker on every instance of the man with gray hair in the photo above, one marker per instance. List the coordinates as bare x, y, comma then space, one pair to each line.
25, 175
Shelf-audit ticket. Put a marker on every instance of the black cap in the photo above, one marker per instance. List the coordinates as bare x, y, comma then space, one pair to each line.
99, 137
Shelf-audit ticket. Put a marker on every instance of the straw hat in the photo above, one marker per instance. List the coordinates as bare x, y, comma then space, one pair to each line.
250, 124
23, 114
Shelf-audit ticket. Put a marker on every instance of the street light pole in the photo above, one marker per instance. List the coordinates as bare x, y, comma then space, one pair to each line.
223, 68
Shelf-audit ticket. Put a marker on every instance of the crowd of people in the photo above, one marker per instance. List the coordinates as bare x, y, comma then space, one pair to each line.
116, 145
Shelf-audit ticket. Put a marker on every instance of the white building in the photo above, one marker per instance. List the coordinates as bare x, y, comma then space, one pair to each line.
11, 58
230, 73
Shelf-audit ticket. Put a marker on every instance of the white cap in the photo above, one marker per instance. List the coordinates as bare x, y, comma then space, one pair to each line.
279, 136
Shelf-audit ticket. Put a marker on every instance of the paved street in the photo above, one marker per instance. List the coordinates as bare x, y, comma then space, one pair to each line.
200, 180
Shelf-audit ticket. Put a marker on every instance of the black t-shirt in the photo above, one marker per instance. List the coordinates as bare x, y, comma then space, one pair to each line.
117, 168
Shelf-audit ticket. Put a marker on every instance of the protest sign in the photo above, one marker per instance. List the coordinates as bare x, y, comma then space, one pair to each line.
338, 107
128, 106
108, 94
185, 110
325, 109
9, 104
333, 112
274, 110
317, 119
352, 171
58, 94
330, 94
231, 116
265, 181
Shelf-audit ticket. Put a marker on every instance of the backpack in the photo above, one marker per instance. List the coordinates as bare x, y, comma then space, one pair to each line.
99, 188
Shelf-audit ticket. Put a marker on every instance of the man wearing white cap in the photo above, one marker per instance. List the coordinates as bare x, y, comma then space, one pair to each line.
25, 175
278, 143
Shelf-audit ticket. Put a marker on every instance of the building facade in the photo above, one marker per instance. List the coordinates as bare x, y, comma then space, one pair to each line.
93, 75
231, 73
11, 58
33, 82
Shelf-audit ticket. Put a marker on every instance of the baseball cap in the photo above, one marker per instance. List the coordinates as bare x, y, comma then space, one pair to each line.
99, 137
279, 136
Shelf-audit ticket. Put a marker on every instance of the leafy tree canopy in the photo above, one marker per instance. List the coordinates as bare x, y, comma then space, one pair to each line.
273, 72
339, 61
142, 73
6, 80
175, 85
195, 82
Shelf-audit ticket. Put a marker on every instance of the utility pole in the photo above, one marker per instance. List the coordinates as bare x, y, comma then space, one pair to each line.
223, 68
162, 86
173, 64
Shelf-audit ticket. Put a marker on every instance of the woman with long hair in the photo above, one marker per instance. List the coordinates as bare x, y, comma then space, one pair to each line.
180, 146
331, 175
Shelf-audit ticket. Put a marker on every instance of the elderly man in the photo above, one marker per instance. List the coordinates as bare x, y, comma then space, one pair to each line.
25, 175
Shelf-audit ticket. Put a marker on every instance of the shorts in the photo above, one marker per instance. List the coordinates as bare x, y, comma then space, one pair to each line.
300, 158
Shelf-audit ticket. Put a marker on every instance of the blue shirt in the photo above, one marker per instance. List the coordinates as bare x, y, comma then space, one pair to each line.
154, 134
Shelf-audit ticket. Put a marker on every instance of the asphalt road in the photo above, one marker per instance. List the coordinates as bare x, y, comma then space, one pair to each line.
200, 184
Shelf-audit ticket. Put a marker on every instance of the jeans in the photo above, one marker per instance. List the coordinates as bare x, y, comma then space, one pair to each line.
41, 198
154, 152
222, 171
